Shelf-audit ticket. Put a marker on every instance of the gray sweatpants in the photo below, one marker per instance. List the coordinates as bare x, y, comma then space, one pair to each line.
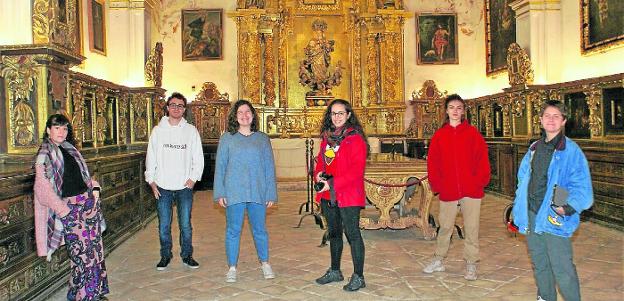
552, 260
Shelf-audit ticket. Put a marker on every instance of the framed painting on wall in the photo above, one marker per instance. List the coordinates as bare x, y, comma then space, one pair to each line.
500, 32
436, 38
602, 24
202, 34
97, 26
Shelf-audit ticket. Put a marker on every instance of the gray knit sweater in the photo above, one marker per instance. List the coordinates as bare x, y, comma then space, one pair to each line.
245, 169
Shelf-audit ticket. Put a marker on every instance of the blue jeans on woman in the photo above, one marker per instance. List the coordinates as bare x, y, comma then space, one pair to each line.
235, 215
184, 205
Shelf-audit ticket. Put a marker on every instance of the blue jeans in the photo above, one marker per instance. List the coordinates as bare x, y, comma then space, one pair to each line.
165, 210
235, 215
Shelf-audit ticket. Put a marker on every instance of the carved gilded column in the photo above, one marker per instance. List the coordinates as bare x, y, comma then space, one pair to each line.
506, 108
392, 58
372, 70
594, 97
356, 74
247, 21
390, 68
77, 117
138, 117
101, 122
285, 31
154, 66
123, 117
489, 126
269, 70
535, 127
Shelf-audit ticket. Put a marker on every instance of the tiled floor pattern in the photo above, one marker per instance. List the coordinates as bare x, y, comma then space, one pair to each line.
394, 260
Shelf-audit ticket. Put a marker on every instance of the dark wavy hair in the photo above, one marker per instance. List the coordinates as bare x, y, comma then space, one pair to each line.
177, 95
60, 120
352, 121
446, 102
233, 124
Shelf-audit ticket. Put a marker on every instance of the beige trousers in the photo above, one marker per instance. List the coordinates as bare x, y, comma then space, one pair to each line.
471, 211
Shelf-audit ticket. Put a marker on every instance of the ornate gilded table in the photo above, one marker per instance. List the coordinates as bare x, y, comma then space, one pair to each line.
386, 176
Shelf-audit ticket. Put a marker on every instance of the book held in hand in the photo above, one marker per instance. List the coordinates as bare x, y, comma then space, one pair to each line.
560, 196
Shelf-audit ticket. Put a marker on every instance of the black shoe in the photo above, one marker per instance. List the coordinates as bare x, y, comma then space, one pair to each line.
163, 263
330, 276
190, 262
355, 283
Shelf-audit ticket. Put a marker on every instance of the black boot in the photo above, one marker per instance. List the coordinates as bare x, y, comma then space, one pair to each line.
355, 283
330, 276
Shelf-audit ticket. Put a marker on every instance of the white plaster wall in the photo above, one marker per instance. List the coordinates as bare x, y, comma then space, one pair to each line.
124, 58
96, 64
576, 66
180, 75
15, 22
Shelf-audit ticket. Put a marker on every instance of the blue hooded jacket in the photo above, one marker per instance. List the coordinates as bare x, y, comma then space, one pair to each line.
568, 169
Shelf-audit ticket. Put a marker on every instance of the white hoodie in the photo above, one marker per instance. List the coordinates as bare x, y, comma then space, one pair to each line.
174, 155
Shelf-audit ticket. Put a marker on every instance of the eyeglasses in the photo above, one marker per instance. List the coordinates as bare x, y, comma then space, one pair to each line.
338, 114
176, 106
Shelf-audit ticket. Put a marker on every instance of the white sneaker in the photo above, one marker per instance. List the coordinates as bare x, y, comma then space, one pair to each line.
434, 266
267, 271
539, 298
471, 272
231, 275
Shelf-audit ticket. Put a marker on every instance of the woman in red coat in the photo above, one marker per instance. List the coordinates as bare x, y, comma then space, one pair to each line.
458, 169
339, 174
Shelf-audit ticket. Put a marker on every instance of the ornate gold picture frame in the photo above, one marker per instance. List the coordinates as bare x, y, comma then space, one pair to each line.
202, 34
602, 24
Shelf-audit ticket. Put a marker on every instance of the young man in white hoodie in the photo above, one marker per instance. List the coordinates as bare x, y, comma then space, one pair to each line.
174, 162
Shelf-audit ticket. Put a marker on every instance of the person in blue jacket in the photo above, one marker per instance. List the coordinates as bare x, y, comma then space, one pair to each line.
244, 180
554, 162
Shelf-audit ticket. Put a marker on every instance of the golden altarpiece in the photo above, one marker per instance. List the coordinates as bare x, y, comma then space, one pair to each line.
111, 124
296, 56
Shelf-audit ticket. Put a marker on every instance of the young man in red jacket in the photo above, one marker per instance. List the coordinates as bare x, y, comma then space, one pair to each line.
458, 169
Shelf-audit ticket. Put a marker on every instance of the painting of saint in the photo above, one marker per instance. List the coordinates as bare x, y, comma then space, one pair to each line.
202, 32
437, 38
500, 28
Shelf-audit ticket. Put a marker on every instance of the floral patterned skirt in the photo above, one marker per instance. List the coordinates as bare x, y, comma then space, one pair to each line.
83, 238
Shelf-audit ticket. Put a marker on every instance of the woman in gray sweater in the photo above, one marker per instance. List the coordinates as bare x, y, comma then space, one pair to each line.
245, 181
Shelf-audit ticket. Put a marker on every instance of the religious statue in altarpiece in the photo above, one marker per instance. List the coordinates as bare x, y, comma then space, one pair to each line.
314, 70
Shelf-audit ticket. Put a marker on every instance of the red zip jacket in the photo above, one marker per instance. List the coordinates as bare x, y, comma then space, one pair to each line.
348, 171
457, 162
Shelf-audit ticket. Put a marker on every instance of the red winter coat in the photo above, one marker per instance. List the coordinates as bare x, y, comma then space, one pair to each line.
457, 162
348, 171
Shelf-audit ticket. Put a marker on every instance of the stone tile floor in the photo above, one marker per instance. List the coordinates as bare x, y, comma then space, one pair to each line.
394, 260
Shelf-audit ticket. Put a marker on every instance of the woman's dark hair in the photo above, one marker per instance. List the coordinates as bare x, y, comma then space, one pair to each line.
60, 120
447, 100
233, 124
352, 121
177, 95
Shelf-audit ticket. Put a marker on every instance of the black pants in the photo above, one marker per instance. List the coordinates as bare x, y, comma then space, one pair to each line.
345, 219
